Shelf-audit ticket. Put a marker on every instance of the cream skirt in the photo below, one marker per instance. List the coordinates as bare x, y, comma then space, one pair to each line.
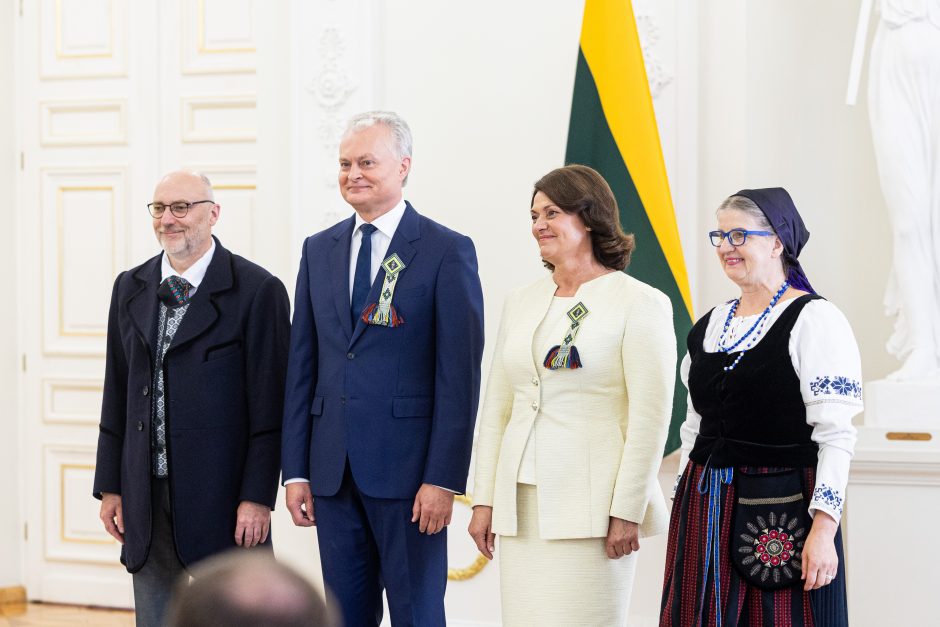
563, 583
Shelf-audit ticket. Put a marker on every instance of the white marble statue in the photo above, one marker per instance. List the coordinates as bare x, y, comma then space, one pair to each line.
904, 109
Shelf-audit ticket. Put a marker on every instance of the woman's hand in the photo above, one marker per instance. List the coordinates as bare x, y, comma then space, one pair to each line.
623, 538
481, 530
820, 561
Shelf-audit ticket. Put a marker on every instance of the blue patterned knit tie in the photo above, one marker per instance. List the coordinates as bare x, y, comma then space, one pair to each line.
362, 282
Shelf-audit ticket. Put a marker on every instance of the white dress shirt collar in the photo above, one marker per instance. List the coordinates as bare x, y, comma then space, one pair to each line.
194, 273
386, 223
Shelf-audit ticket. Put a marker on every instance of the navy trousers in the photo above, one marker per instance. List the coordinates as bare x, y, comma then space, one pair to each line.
369, 544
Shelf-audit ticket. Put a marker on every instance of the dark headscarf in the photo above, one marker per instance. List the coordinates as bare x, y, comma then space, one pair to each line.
777, 205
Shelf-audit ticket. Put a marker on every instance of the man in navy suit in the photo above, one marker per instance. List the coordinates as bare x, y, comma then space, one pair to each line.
189, 440
382, 386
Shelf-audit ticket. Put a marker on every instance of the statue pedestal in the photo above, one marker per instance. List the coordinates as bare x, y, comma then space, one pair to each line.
902, 405
892, 509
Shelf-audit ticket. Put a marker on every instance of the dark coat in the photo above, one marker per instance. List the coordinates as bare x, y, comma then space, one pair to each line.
224, 379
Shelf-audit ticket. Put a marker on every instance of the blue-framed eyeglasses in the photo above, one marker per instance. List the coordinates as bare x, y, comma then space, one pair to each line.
735, 237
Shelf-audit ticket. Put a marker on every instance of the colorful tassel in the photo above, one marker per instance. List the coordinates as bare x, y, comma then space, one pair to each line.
382, 313
565, 355
557, 358
373, 314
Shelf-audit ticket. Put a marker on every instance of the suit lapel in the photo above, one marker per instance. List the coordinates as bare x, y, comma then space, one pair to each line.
338, 267
407, 232
142, 303
202, 311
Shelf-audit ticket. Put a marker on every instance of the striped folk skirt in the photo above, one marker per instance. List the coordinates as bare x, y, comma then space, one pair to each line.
688, 602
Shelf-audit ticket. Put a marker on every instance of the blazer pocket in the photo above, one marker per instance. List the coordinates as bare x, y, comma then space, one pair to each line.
223, 350
316, 406
412, 406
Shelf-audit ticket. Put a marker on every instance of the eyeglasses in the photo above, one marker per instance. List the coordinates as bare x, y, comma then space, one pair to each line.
735, 237
178, 209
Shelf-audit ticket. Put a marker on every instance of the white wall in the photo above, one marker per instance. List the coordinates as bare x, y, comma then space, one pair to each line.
773, 79
11, 531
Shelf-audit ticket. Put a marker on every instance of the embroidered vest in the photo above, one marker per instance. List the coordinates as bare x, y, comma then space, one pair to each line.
168, 321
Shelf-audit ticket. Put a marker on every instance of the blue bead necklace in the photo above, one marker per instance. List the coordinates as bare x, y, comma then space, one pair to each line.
756, 329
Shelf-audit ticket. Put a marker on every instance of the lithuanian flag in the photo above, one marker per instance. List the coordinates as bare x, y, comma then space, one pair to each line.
613, 130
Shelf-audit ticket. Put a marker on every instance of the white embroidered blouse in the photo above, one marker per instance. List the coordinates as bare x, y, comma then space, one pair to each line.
825, 358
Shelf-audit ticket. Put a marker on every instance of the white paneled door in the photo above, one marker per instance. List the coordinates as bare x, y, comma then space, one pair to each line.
111, 94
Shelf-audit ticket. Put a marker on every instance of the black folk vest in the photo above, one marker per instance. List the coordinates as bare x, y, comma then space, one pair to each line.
753, 415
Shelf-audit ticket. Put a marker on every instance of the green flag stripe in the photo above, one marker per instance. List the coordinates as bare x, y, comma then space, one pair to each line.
590, 142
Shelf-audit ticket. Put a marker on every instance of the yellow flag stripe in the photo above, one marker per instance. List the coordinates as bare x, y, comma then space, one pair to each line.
611, 47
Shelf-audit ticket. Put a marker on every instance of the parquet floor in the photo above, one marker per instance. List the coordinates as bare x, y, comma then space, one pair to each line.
53, 615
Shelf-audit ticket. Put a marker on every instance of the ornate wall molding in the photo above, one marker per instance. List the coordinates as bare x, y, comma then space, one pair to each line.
647, 23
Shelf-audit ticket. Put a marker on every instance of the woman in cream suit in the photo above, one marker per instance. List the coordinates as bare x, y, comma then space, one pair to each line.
575, 417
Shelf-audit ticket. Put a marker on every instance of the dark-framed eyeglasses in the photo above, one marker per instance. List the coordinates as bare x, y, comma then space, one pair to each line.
178, 209
735, 237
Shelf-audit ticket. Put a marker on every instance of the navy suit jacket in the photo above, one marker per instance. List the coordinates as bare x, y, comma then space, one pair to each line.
398, 402
224, 380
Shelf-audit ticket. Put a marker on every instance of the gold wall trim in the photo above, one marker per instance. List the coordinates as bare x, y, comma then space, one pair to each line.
201, 35
189, 133
909, 436
235, 186
471, 571
62, 537
90, 55
52, 385
60, 255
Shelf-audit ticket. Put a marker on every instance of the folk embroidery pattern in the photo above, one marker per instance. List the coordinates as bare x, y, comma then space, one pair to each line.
842, 386
773, 548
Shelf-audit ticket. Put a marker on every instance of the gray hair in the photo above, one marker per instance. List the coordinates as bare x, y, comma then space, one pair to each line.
391, 120
748, 207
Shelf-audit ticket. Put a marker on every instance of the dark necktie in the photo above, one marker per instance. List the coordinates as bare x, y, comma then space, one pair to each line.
361, 280
174, 291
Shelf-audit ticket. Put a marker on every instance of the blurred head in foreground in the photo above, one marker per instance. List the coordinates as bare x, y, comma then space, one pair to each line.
241, 590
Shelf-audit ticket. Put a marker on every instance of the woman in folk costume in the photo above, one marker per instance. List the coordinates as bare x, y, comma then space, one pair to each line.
774, 379
575, 417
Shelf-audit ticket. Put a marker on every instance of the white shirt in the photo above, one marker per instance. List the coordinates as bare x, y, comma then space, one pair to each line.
387, 224
825, 357
194, 273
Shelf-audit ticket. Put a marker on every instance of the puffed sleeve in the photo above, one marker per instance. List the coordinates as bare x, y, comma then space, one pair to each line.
689, 429
825, 357
497, 409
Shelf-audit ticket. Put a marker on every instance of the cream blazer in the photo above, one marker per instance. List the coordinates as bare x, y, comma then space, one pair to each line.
599, 449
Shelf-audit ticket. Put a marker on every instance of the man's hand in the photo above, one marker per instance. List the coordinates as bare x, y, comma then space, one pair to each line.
112, 515
623, 538
300, 504
252, 523
481, 530
432, 509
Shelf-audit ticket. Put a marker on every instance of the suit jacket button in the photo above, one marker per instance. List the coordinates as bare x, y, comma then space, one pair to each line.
535, 381
145, 390
535, 405
140, 425
350, 355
